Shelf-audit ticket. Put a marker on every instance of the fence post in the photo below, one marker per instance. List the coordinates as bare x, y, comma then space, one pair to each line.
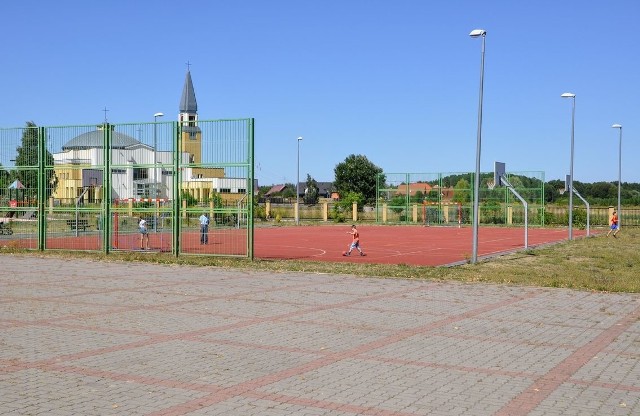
354, 211
384, 213
415, 213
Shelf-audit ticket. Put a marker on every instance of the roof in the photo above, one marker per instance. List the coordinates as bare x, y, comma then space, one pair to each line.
95, 139
16, 185
413, 188
324, 188
276, 189
188, 103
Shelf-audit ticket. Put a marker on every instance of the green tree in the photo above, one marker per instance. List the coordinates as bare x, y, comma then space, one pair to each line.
5, 178
311, 194
342, 209
27, 163
462, 191
357, 174
289, 191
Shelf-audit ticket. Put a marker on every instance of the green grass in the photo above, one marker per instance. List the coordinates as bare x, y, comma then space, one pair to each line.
596, 263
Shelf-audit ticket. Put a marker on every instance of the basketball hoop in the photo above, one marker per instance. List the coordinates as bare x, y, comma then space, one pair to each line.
491, 184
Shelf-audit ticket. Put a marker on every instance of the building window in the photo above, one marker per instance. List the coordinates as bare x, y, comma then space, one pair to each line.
242, 191
142, 189
118, 171
225, 190
140, 174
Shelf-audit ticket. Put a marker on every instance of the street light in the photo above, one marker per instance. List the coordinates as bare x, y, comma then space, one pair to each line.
476, 184
297, 185
573, 117
619, 126
155, 153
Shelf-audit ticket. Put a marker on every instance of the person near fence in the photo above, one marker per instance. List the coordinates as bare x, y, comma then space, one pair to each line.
355, 243
613, 224
144, 234
204, 229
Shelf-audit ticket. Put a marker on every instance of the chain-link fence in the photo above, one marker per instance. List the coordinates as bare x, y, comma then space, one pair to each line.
179, 187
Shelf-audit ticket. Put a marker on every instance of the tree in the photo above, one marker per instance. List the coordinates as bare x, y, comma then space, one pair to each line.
462, 192
27, 156
311, 193
357, 174
343, 207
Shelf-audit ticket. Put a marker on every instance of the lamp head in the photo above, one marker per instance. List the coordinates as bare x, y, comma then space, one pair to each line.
477, 33
568, 95
617, 126
158, 114
299, 138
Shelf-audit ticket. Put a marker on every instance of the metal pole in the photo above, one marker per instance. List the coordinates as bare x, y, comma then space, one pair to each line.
297, 185
155, 152
476, 182
155, 161
573, 117
619, 175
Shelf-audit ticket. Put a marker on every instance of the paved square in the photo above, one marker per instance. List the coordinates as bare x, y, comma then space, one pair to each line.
81, 337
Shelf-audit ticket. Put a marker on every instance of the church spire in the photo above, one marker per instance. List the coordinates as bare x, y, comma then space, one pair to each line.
188, 103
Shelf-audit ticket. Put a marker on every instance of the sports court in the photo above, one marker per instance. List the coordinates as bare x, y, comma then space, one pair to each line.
85, 337
411, 245
383, 244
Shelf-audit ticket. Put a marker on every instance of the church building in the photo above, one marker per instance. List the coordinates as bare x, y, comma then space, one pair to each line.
140, 171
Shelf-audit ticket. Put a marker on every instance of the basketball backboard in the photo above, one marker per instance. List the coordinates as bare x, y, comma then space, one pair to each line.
499, 170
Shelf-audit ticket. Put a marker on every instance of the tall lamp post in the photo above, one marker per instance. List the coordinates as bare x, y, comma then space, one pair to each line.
573, 118
155, 161
298, 185
619, 127
476, 183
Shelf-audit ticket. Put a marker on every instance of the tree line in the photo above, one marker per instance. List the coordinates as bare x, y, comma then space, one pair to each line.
357, 180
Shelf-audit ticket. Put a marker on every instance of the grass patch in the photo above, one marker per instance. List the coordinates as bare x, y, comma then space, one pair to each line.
596, 263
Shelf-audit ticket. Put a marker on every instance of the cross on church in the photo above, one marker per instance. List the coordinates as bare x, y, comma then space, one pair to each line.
188, 66
105, 114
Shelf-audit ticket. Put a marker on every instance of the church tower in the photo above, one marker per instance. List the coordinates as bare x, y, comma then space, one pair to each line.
188, 118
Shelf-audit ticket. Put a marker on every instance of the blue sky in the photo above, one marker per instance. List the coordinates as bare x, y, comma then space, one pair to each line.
395, 81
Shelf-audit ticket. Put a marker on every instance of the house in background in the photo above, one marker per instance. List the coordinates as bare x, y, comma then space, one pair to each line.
413, 188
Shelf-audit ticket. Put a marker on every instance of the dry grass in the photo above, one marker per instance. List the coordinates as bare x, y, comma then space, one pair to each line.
597, 263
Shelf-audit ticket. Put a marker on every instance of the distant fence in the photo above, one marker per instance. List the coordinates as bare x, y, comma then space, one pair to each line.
445, 198
445, 215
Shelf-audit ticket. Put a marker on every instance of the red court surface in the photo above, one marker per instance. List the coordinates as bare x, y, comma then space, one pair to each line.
411, 245
383, 244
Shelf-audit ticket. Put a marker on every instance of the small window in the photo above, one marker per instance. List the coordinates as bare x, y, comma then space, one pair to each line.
225, 190
140, 173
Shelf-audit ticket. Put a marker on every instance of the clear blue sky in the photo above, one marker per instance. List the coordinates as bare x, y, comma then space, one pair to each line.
397, 81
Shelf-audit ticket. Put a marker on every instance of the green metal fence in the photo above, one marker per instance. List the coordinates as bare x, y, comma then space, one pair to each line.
447, 198
88, 187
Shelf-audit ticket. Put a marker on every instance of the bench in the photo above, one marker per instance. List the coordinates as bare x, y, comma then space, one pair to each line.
80, 224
